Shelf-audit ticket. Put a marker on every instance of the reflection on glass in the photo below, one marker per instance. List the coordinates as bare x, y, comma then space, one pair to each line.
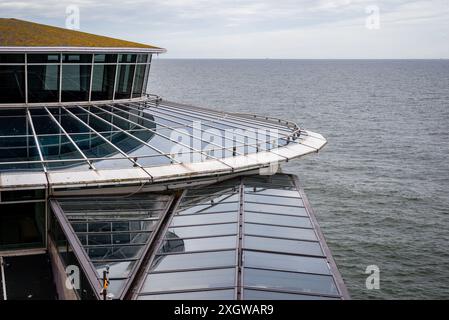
127, 58
103, 82
192, 295
124, 80
105, 58
200, 244
193, 261
272, 295
43, 58
43, 83
276, 219
280, 232
269, 208
138, 81
12, 84
300, 282
283, 245
75, 82
201, 219
116, 269
189, 280
286, 262
76, 58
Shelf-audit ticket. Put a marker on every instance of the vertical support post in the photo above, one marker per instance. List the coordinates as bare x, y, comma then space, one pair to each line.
3, 279
105, 283
91, 76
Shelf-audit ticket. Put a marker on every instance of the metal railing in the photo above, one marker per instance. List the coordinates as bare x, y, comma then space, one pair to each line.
156, 111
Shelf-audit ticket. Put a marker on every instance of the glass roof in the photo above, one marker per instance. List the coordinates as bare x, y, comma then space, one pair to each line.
127, 135
115, 232
253, 237
249, 238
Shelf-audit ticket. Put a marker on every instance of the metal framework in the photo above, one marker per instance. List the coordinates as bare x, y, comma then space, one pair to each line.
68, 220
92, 63
239, 247
157, 116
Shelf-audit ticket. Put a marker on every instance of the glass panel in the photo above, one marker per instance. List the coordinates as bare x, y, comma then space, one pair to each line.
18, 195
293, 211
76, 58
200, 244
209, 208
120, 269
276, 219
279, 232
289, 281
112, 253
192, 295
273, 192
103, 82
138, 81
19, 149
283, 245
75, 82
124, 80
286, 262
115, 287
12, 58
145, 82
199, 219
205, 231
12, 84
142, 58
43, 83
22, 225
189, 280
256, 197
106, 58
127, 58
193, 261
271, 295
43, 58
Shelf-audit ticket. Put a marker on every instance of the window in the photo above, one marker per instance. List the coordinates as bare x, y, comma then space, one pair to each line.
105, 58
77, 58
139, 80
43, 83
43, 58
70, 77
103, 82
124, 80
22, 225
75, 82
12, 58
127, 58
12, 84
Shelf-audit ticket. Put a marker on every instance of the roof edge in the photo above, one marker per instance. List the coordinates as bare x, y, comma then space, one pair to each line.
82, 49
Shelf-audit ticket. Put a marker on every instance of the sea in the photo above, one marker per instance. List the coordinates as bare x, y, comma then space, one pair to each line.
380, 187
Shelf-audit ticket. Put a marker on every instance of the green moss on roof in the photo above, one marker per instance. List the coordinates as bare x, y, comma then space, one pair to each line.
19, 33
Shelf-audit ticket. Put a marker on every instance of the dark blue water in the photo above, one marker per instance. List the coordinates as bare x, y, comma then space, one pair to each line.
380, 188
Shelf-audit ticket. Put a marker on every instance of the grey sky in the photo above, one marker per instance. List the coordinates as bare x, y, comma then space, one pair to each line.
259, 29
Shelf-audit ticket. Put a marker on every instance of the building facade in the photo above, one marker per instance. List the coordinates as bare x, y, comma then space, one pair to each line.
165, 200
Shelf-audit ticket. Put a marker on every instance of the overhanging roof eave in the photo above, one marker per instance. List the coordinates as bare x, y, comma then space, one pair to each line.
82, 49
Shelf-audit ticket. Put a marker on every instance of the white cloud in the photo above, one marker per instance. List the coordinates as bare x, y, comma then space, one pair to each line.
251, 28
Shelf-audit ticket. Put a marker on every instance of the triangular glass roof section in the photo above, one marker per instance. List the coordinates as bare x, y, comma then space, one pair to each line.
114, 233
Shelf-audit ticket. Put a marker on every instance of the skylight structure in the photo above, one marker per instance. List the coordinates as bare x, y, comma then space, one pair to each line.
164, 199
